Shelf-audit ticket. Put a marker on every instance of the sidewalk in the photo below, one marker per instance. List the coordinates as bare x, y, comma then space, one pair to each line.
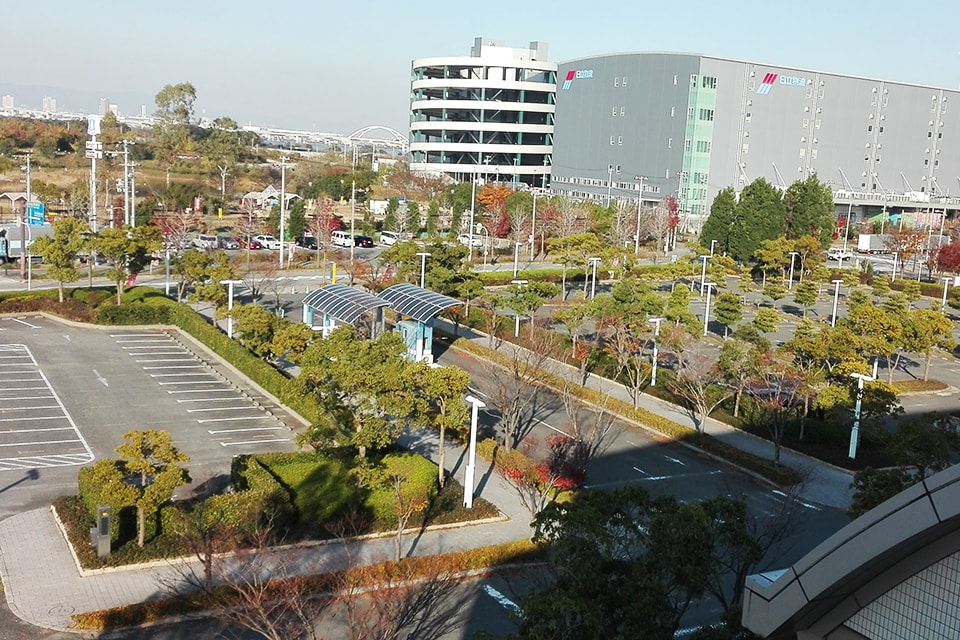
44, 587
825, 484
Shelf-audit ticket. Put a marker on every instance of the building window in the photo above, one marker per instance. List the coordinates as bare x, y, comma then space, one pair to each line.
803, 152
612, 140
687, 145
620, 140
706, 115
708, 82
813, 154
622, 110
926, 161
693, 80
673, 112
616, 81
669, 143
748, 117
690, 113
614, 112
745, 148
703, 146
869, 128
624, 81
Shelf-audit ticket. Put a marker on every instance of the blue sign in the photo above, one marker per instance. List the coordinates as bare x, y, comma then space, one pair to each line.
36, 213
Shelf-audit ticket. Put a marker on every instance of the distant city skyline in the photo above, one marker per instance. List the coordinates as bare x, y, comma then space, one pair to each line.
341, 67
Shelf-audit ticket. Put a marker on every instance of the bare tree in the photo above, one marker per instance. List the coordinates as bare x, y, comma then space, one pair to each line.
516, 392
568, 217
700, 382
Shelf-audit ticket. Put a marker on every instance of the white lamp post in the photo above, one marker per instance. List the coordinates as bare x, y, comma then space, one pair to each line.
706, 312
423, 266
656, 332
516, 258
893, 275
516, 327
353, 216
593, 287
485, 243
533, 229
946, 283
855, 431
713, 243
636, 238
166, 264
283, 203
468, 480
473, 200
25, 251
793, 255
230, 284
703, 273
836, 297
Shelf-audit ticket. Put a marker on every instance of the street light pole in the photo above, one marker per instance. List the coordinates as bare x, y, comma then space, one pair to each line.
516, 328
893, 275
516, 258
230, 284
473, 200
946, 283
609, 182
855, 431
468, 480
636, 238
283, 199
703, 274
423, 266
836, 297
706, 312
713, 243
656, 333
533, 229
793, 255
353, 216
593, 287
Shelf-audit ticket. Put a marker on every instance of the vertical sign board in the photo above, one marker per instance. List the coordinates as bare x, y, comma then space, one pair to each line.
36, 213
93, 125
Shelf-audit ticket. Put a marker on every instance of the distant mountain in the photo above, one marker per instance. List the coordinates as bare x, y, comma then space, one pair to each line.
77, 100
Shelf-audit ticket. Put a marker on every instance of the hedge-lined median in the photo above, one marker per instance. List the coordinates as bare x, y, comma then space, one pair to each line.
783, 476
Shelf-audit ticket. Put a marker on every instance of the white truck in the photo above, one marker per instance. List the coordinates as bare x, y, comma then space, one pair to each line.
14, 236
872, 243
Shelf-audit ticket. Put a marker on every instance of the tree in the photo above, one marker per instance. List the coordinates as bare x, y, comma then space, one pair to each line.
759, 217
778, 389
152, 456
433, 217
872, 487
411, 223
728, 310
808, 206
626, 565
574, 250
525, 299
805, 295
59, 251
444, 389
254, 326
948, 258
127, 250
925, 330
175, 103
296, 219
390, 219
718, 224
699, 381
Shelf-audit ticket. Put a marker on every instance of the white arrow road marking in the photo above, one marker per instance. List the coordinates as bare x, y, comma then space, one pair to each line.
101, 379
675, 460
501, 599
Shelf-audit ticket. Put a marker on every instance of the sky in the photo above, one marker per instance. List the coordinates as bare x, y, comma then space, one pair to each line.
341, 66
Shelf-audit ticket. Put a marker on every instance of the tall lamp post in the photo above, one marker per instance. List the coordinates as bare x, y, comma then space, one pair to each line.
533, 229
636, 238
25, 251
423, 266
473, 200
893, 274
230, 284
703, 273
713, 243
468, 480
855, 431
946, 283
353, 216
706, 312
793, 256
593, 287
836, 298
516, 327
656, 333
283, 202
516, 258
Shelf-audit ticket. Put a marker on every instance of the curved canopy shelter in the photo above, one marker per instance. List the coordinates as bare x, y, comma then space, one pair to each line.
421, 306
337, 304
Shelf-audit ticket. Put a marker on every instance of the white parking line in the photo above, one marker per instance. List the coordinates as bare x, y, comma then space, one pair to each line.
36, 430
136, 335
228, 390
236, 444
193, 382
29, 444
243, 408
176, 366
53, 406
231, 419
161, 344
207, 399
32, 326
171, 375
26, 419
214, 432
168, 360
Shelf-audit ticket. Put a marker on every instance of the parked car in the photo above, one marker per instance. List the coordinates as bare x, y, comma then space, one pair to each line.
362, 241
307, 242
254, 245
389, 238
205, 241
228, 242
836, 253
268, 242
464, 238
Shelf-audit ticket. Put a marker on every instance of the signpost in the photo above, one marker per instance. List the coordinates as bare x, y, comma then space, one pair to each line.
36, 213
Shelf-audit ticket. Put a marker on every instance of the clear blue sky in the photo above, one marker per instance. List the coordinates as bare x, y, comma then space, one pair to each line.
338, 66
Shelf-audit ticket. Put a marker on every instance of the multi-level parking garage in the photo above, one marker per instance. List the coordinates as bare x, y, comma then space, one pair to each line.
489, 113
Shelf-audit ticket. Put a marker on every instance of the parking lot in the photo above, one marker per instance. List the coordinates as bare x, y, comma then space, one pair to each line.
70, 393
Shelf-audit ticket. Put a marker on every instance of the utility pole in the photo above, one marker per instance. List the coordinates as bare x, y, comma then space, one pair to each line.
353, 215
636, 239
283, 201
94, 151
223, 181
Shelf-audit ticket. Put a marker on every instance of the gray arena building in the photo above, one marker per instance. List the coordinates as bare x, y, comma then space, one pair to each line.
689, 125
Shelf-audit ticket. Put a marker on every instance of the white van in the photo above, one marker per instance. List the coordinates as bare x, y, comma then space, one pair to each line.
341, 239
389, 237
204, 241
